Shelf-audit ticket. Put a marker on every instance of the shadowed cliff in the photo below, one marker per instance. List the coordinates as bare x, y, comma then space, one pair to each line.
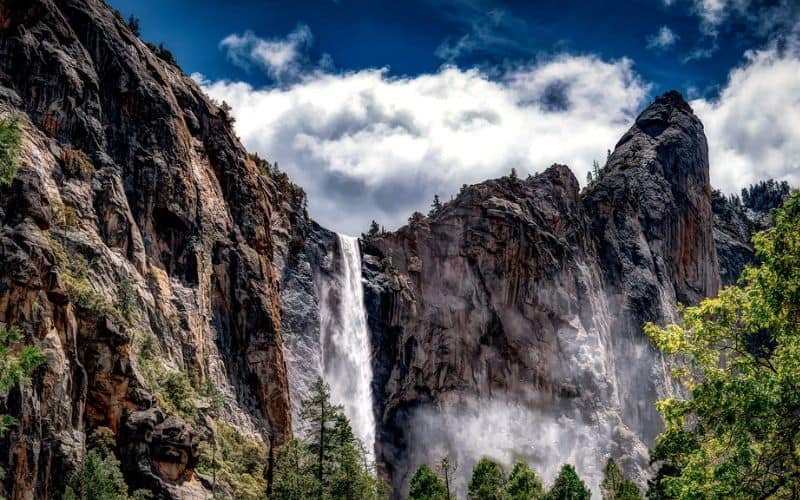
130, 179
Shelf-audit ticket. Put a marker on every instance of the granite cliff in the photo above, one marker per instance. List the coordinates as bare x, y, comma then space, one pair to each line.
509, 321
130, 181
506, 322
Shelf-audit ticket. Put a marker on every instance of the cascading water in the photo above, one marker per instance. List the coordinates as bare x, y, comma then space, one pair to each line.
346, 347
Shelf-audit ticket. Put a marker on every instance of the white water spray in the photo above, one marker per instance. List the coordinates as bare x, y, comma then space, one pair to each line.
346, 347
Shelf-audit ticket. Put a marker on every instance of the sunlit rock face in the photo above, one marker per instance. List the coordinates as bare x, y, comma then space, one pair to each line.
170, 202
509, 323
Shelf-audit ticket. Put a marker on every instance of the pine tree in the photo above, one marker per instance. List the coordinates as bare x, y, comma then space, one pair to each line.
426, 485
340, 468
615, 486
295, 473
321, 415
523, 484
374, 229
487, 481
436, 206
446, 467
568, 486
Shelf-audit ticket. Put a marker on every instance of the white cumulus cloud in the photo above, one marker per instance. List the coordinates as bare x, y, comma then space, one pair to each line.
663, 39
366, 145
281, 58
753, 128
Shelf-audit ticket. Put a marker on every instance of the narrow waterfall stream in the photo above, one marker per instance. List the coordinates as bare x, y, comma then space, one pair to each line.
346, 347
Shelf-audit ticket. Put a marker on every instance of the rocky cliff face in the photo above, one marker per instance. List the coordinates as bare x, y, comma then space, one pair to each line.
525, 300
132, 188
508, 322
736, 220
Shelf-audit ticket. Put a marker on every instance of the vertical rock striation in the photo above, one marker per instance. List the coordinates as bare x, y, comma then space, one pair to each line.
525, 300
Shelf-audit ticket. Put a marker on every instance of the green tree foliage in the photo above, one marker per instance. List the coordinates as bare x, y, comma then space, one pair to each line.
331, 463
487, 481
17, 362
615, 486
126, 300
321, 415
426, 485
99, 477
738, 434
10, 140
568, 486
176, 394
295, 473
524, 484
235, 459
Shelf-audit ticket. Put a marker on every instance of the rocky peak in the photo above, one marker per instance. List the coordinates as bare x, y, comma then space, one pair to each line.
658, 176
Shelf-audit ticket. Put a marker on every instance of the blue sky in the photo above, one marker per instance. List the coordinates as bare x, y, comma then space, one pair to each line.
404, 36
375, 106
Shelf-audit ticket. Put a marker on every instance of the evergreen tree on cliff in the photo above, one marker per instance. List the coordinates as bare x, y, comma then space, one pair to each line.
738, 434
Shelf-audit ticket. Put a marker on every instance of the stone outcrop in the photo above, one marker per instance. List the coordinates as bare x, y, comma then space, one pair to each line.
527, 290
131, 182
736, 220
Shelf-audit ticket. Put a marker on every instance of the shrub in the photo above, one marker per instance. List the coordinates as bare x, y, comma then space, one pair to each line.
83, 294
176, 394
16, 365
10, 140
126, 299
235, 459
75, 163
79, 288
65, 217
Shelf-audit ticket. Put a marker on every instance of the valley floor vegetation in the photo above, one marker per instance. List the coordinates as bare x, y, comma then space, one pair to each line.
489, 482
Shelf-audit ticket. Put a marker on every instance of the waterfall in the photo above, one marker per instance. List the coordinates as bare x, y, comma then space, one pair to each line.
346, 347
